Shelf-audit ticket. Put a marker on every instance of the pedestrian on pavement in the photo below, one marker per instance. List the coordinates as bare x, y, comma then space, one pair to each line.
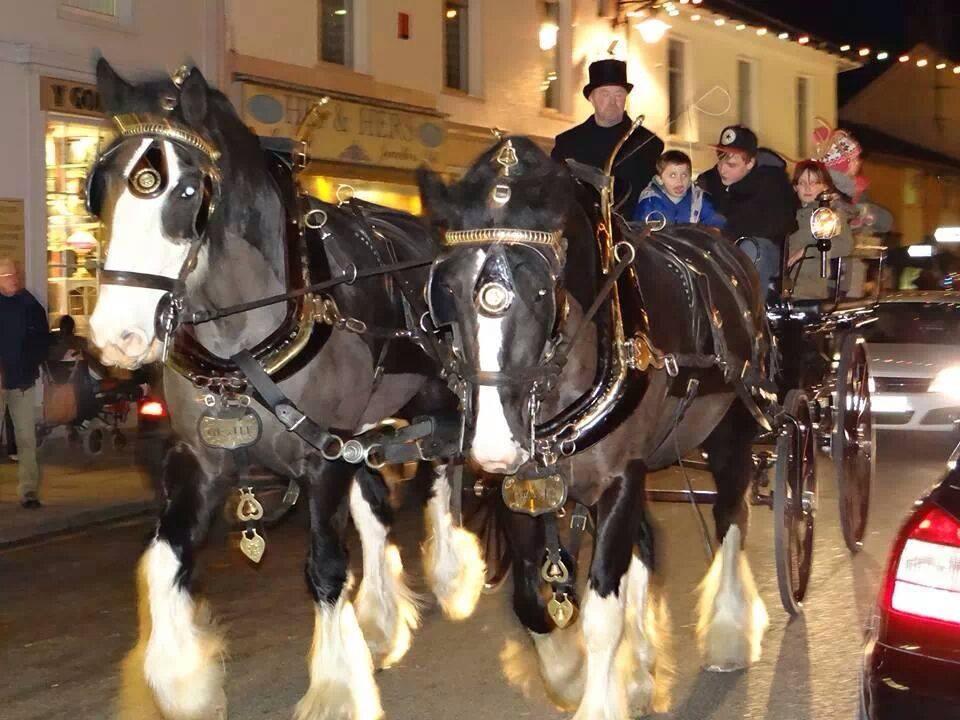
24, 341
750, 188
671, 198
593, 141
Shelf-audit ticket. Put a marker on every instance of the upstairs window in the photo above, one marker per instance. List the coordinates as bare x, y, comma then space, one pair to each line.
456, 42
336, 31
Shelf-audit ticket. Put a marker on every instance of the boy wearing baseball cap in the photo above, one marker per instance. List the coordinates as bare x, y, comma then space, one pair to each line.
750, 188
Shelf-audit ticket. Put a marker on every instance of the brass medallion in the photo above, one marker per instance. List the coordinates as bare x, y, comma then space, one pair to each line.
238, 428
535, 495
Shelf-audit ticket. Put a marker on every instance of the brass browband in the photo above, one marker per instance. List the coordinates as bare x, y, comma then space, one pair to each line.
507, 236
135, 124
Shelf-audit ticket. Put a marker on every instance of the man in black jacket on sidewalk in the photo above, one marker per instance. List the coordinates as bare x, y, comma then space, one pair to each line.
592, 141
750, 188
24, 340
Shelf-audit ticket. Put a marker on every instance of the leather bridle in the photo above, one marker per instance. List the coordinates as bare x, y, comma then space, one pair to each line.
149, 182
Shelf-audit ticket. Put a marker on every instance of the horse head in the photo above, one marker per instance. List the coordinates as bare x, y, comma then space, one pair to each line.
156, 190
497, 286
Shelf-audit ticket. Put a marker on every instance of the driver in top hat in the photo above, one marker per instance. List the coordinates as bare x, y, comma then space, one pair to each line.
592, 141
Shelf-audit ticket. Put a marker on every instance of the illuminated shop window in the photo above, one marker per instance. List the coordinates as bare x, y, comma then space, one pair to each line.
74, 239
393, 195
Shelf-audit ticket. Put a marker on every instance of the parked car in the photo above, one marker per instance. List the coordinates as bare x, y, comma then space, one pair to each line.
911, 663
915, 361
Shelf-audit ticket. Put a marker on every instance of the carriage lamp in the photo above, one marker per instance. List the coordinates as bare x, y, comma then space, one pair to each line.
947, 382
825, 223
494, 298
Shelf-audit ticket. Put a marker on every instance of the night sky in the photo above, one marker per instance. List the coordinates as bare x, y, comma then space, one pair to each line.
892, 25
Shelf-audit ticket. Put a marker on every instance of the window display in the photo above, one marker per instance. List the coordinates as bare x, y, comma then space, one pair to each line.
74, 239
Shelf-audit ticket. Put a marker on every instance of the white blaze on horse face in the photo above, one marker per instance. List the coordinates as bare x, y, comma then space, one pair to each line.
494, 447
122, 325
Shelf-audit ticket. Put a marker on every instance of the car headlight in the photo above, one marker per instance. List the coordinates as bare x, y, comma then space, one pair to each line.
947, 382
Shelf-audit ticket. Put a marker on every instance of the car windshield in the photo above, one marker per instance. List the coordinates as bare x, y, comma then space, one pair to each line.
919, 323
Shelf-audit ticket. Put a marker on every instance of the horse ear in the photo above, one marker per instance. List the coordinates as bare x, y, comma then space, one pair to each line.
115, 92
435, 197
193, 98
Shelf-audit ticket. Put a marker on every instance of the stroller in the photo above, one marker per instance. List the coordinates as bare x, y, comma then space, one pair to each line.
91, 405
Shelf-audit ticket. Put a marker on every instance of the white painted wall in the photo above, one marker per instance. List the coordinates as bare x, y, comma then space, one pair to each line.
505, 86
907, 100
41, 38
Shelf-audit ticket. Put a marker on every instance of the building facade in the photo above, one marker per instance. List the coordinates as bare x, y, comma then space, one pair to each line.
912, 146
405, 83
52, 124
425, 81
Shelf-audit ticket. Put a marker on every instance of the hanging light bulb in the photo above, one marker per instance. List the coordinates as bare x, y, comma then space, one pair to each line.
803, 40
548, 35
761, 31
863, 52
652, 29
922, 63
882, 56
941, 66
844, 48
904, 58
783, 36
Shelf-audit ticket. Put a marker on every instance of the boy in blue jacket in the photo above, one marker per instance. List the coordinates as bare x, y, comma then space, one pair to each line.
671, 195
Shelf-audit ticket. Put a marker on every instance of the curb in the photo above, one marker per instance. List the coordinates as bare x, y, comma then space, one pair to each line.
80, 521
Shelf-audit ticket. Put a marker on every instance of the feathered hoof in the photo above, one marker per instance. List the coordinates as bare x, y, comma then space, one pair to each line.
388, 614
456, 572
335, 701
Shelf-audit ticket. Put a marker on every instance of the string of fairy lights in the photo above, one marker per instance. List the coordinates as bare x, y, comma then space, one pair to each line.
651, 19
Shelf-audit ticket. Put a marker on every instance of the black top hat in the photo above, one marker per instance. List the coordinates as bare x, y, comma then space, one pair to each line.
607, 72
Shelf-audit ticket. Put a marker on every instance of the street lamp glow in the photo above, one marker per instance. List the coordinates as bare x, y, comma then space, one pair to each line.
719, 21
652, 30
844, 48
803, 40
920, 251
882, 56
761, 31
783, 36
741, 26
864, 52
941, 66
922, 63
904, 58
695, 17
956, 70
548, 36
451, 14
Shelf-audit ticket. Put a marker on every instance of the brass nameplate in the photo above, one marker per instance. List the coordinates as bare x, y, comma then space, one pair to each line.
229, 433
534, 495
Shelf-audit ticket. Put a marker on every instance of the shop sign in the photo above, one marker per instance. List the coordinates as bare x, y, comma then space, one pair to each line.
11, 229
347, 131
71, 97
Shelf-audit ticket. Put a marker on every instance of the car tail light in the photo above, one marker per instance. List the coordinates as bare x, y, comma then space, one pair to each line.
923, 581
153, 408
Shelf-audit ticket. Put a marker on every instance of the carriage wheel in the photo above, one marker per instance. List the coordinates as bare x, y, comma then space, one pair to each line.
853, 440
795, 501
483, 516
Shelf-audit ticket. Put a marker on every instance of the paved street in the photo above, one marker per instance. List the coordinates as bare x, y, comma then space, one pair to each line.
67, 617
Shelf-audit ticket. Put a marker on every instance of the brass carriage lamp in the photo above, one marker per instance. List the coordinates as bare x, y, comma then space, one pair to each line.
824, 226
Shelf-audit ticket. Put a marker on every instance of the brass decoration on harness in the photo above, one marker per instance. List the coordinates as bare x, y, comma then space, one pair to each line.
249, 511
252, 544
536, 495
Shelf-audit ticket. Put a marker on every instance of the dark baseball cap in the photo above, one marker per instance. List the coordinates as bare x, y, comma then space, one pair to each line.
737, 138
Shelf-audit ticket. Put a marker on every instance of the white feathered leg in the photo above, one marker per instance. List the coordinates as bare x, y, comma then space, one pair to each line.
561, 663
643, 654
605, 693
451, 555
182, 660
732, 617
386, 607
341, 668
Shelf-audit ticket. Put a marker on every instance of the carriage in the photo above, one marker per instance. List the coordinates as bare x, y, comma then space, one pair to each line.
499, 312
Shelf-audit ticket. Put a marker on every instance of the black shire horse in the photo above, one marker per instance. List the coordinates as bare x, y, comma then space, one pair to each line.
189, 197
518, 270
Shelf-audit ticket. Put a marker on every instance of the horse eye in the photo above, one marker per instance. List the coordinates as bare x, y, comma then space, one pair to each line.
188, 191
